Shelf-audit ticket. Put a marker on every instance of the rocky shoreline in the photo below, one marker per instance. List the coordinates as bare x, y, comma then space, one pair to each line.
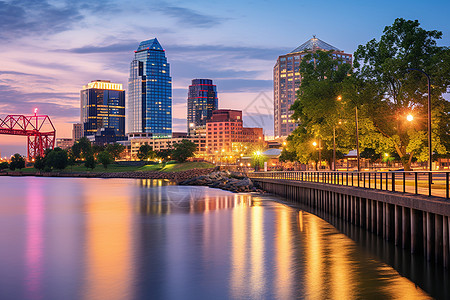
233, 182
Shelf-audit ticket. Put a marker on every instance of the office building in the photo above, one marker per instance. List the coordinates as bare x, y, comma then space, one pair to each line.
287, 79
103, 109
225, 131
149, 99
77, 131
202, 101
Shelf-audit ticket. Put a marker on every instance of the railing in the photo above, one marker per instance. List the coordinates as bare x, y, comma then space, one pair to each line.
418, 182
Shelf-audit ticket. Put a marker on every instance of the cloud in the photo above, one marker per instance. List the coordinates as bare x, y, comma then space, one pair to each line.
185, 16
53, 104
31, 17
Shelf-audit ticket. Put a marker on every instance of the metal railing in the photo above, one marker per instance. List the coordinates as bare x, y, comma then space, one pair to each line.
418, 182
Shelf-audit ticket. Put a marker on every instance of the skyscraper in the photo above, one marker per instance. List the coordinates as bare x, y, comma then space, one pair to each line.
202, 100
286, 81
103, 107
149, 101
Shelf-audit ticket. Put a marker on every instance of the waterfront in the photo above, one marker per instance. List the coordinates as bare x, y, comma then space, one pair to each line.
78, 238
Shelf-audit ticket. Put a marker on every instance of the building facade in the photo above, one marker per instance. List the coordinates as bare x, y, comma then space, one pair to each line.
103, 107
202, 101
287, 79
149, 100
225, 131
77, 131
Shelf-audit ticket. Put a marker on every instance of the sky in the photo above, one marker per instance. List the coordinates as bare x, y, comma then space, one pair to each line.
50, 48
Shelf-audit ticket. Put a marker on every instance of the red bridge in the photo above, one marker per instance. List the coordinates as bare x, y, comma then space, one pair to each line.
39, 130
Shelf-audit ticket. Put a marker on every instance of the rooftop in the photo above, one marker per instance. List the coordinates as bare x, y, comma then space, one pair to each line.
314, 44
150, 44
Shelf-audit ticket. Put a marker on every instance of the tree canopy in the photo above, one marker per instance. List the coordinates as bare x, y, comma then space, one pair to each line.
183, 150
381, 89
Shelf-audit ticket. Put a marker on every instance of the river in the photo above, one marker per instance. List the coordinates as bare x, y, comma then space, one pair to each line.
78, 238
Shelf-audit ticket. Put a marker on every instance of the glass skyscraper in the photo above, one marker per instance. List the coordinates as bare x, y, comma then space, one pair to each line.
149, 101
287, 80
103, 107
202, 100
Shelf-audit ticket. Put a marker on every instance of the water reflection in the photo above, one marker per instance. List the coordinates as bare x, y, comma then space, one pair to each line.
142, 239
166, 198
34, 241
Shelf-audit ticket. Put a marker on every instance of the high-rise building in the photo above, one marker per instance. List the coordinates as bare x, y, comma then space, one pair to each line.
202, 100
77, 131
286, 81
103, 107
149, 100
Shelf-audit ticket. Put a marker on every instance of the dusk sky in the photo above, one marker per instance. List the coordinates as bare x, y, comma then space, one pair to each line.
50, 49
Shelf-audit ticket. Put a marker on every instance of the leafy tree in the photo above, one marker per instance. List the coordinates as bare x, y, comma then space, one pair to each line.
145, 152
57, 159
370, 154
39, 163
288, 155
81, 148
4, 165
96, 149
183, 150
318, 108
115, 150
90, 161
164, 154
17, 162
105, 158
381, 71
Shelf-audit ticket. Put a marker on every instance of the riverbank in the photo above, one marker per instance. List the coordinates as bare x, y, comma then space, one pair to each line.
173, 176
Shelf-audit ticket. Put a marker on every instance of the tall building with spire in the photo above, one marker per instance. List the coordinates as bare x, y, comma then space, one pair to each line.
202, 101
287, 80
149, 101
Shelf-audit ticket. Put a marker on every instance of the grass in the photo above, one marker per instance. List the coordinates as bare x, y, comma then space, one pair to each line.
168, 167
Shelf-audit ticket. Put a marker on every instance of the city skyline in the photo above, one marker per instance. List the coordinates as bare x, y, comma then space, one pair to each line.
53, 48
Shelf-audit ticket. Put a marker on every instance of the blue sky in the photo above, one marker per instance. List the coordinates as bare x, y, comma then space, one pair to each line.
50, 49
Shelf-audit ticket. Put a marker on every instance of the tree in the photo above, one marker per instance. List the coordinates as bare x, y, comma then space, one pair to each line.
183, 150
39, 163
318, 108
105, 158
57, 159
288, 155
4, 165
145, 152
90, 161
164, 154
381, 68
82, 148
115, 150
17, 162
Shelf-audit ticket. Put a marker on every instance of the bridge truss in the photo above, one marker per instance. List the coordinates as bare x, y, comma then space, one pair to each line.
39, 130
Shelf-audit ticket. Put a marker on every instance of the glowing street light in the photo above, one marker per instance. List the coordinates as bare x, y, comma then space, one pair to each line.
409, 117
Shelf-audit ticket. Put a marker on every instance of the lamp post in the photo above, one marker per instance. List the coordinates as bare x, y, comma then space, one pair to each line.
357, 139
430, 151
334, 147
318, 149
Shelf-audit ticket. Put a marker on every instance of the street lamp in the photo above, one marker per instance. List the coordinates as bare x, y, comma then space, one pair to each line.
409, 117
318, 148
430, 152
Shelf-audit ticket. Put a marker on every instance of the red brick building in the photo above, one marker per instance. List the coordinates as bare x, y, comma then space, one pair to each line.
225, 128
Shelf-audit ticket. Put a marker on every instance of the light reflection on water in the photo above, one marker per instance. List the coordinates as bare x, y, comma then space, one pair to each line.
147, 239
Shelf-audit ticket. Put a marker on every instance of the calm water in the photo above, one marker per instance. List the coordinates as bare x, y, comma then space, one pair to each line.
64, 238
